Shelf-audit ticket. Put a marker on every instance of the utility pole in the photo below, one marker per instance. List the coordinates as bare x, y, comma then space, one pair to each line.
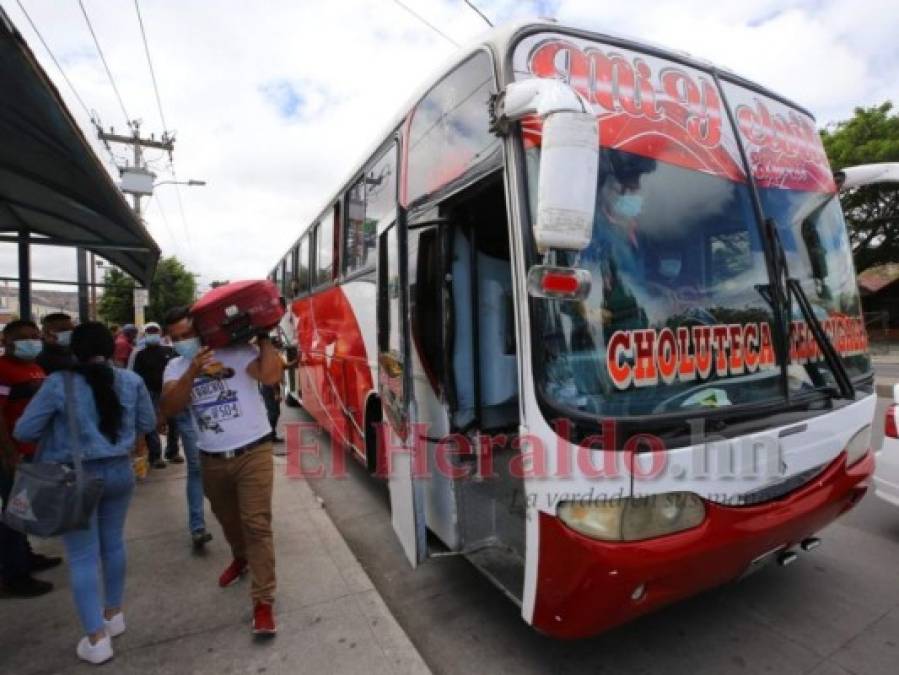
137, 179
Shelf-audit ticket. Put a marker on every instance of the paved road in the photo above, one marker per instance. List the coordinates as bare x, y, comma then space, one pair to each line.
836, 611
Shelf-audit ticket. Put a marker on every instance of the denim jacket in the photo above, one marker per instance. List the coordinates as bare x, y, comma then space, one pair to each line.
45, 418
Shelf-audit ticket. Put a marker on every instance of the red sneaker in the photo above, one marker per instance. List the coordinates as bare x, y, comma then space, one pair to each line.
233, 572
263, 619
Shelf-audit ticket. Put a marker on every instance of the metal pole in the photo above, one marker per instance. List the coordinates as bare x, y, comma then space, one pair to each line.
83, 302
92, 311
24, 273
137, 163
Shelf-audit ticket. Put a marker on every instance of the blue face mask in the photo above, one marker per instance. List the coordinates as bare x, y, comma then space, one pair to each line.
627, 206
27, 350
64, 338
152, 339
187, 348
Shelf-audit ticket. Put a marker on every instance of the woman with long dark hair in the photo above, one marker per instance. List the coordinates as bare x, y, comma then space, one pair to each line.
112, 407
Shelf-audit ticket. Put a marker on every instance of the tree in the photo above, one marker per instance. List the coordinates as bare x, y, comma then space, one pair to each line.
172, 286
872, 212
116, 305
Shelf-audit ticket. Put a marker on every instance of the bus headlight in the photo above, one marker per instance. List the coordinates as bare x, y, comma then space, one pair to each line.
634, 518
858, 445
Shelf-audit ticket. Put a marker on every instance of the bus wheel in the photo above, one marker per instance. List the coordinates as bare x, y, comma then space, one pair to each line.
372, 422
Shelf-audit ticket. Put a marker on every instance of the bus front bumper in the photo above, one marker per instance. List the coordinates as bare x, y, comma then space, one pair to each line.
585, 586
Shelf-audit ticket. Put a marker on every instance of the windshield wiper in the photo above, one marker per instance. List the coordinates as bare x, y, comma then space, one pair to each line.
787, 286
844, 382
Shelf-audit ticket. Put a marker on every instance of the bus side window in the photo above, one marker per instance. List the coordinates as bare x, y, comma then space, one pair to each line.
290, 271
368, 201
303, 265
278, 276
356, 254
450, 131
324, 254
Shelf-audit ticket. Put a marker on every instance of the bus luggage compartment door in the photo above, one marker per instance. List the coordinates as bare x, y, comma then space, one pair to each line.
397, 433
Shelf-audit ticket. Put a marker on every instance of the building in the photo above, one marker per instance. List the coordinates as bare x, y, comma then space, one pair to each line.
879, 288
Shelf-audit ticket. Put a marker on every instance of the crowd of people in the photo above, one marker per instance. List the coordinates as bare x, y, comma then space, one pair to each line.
217, 411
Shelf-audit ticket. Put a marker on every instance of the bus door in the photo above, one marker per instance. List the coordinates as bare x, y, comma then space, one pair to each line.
394, 388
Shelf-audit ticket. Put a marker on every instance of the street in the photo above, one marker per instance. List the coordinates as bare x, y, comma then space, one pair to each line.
835, 611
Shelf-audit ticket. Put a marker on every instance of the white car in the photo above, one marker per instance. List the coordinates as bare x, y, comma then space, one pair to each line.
886, 475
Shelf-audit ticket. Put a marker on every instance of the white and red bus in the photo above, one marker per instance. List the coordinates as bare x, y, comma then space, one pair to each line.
602, 298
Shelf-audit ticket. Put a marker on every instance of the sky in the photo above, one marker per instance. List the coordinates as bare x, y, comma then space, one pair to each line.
274, 102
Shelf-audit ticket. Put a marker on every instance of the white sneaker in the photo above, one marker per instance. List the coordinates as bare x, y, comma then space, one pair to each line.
116, 625
96, 653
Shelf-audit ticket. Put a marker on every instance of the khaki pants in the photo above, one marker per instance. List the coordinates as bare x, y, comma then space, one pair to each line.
240, 492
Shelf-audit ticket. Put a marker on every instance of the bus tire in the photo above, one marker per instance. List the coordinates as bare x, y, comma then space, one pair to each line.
373, 418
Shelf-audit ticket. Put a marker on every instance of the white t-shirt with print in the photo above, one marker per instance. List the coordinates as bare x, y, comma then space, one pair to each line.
229, 410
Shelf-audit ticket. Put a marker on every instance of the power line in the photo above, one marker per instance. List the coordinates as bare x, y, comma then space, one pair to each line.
143, 33
190, 244
480, 13
427, 23
180, 205
165, 127
103, 59
165, 220
53, 58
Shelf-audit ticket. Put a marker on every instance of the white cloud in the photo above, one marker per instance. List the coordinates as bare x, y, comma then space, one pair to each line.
274, 102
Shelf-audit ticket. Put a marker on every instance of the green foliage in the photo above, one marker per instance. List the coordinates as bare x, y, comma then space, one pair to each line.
872, 212
116, 305
173, 285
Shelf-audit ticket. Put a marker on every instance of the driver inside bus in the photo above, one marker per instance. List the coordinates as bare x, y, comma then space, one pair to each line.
614, 256
616, 261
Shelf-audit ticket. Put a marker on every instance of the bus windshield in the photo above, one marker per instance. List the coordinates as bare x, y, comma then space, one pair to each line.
816, 243
681, 313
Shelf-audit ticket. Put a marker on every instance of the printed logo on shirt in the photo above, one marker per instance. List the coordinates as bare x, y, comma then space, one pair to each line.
214, 402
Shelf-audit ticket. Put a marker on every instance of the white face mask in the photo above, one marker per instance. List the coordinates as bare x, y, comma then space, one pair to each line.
64, 338
187, 348
27, 350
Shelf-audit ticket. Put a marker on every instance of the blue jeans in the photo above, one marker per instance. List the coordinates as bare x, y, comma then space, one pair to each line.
188, 432
102, 542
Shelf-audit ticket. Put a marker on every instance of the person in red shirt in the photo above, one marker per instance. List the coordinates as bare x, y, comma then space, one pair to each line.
124, 344
20, 378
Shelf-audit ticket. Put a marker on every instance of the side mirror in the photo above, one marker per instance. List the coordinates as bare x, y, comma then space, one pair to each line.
566, 192
569, 159
866, 174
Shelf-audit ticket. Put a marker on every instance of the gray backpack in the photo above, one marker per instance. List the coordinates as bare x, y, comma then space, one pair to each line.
49, 499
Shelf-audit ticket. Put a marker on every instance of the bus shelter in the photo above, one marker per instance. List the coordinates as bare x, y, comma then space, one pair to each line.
54, 190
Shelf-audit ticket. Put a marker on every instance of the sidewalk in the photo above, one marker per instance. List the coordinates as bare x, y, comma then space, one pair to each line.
330, 618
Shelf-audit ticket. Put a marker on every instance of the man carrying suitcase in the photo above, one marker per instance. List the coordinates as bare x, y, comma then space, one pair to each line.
222, 390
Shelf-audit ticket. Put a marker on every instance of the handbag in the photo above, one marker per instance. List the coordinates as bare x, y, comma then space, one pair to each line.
47, 498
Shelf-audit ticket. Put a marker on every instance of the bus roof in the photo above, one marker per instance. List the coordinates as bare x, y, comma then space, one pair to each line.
500, 40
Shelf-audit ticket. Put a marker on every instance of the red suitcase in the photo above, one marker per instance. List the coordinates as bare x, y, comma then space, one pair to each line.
236, 312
